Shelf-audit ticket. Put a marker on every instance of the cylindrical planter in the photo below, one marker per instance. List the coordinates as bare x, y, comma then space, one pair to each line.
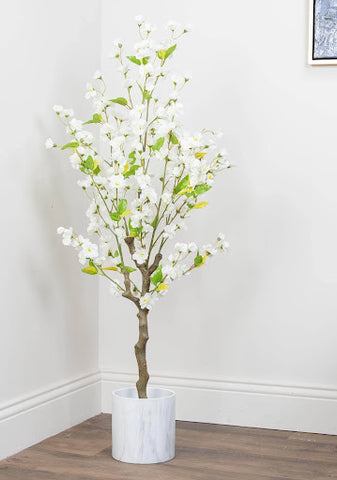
143, 429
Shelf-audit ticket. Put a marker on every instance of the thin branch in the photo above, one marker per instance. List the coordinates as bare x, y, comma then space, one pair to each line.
156, 263
128, 294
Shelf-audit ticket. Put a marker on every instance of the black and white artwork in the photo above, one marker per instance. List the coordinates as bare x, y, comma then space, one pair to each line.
323, 32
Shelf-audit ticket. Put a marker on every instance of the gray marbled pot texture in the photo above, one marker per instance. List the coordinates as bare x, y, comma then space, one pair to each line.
143, 430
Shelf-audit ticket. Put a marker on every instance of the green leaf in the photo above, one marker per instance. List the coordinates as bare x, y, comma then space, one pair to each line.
97, 170
120, 100
202, 188
159, 143
161, 54
155, 222
122, 206
185, 191
91, 270
115, 216
173, 139
181, 185
128, 269
132, 155
134, 60
89, 163
70, 145
157, 276
169, 51
198, 260
131, 171
125, 213
95, 119
134, 232
200, 205
145, 60
200, 154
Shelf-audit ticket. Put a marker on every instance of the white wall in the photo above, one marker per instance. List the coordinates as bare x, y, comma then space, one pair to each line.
48, 341
248, 340
264, 317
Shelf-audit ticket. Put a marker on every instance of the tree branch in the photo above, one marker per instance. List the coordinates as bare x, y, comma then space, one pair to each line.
130, 241
128, 294
156, 263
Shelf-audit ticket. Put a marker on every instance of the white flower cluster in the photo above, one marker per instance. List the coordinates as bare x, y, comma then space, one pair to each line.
176, 266
149, 173
86, 249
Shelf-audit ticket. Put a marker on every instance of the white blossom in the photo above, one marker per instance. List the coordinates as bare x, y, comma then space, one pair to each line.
208, 249
58, 109
49, 143
222, 244
143, 48
93, 226
88, 250
147, 28
75, 124
117, 181
142, 171
91, 92
173, 25
140, 255
147, 301
143, 180
116, 47
170, 271
145, 70
84, 183
67, 234
120, 232
166, 197
150, 194
192, 247
181, 247
139, 19
169, 230
116, 290
75, 161
68, 112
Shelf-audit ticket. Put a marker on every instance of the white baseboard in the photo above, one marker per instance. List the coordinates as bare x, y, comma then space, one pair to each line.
304, 409
32, 419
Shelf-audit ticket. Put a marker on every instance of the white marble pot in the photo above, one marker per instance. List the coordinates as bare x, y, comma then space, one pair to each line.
143, 430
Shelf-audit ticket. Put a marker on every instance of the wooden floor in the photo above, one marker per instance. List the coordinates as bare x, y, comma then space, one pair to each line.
204, 452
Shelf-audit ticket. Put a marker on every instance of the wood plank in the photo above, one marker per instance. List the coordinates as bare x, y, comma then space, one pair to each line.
204, 452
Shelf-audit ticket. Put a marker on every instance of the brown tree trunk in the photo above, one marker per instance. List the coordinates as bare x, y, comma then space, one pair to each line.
140, 347
140, 351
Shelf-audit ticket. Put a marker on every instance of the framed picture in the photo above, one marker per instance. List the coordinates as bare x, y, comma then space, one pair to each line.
322, 45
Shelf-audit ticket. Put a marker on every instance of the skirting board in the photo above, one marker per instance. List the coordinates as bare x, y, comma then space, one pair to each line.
304, 409
32, 419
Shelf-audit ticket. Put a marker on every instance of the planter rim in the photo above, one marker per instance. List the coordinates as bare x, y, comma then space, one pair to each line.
167, 394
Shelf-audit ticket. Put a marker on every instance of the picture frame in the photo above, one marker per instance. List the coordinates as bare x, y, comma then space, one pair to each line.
322, 32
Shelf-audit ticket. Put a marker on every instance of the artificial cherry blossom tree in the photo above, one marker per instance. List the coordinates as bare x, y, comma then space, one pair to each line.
143, 176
